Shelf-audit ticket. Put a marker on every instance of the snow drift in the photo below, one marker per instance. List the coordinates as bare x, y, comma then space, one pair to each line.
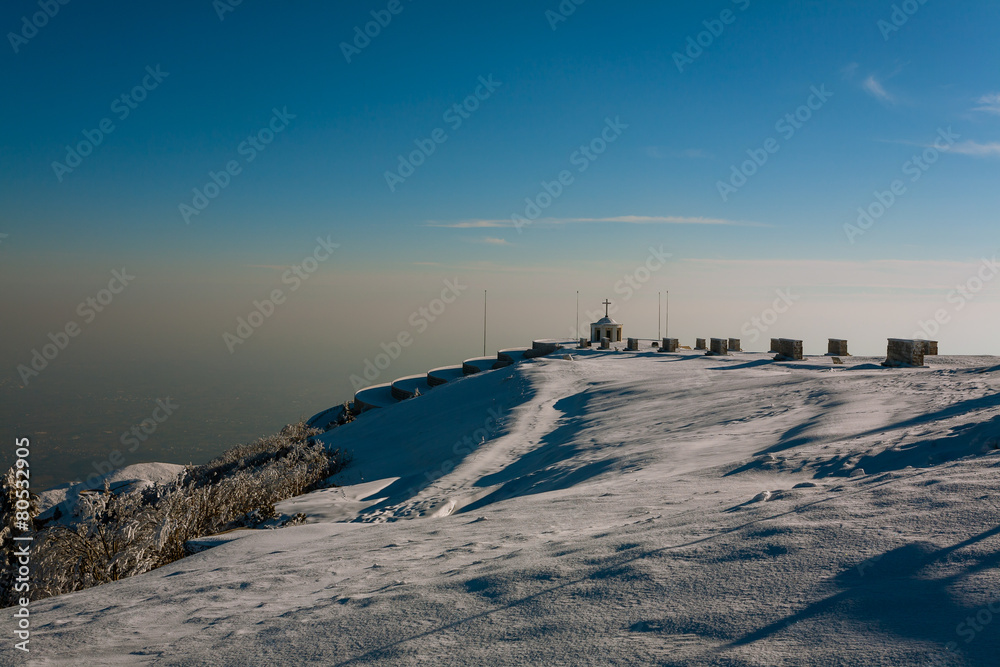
613, 508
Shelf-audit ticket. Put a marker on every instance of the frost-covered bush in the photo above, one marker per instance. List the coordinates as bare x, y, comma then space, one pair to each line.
118, 536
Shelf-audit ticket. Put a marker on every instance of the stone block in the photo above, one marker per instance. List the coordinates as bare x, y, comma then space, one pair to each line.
789, 349
837, 347
904, 352
719, 346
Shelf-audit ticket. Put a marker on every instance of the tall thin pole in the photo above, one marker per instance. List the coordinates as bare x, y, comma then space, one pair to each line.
659, 316
578, 313
484, 323
666, 324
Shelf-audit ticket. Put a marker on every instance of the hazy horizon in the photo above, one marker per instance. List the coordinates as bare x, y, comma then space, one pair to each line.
780, 172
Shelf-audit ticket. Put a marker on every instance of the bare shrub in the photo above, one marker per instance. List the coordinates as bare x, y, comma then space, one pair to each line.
118, 536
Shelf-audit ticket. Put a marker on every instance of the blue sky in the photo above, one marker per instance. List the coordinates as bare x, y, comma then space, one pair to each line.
682, 130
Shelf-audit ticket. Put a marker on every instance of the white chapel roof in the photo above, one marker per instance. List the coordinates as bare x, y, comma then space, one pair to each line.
605, 320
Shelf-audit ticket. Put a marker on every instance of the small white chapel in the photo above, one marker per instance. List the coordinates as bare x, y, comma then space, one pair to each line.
605, 328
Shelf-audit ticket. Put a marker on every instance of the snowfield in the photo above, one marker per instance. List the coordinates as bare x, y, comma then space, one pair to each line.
613, 509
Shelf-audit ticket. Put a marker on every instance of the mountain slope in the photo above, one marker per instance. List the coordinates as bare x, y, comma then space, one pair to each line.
614, 509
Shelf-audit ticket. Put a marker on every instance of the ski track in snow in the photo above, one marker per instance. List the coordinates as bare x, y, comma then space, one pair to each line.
624, 509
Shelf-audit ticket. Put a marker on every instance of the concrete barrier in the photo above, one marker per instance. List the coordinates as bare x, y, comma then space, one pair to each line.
478, 365
376, 396
327, 419
930, 348
774, 345
719, 346
699, 344
670, 345
633, 344
546, 346
443, 375
410, 386
837, 347
734, 345
904, 352
584, 342
605, 343
510, 356
789, 349
401, 389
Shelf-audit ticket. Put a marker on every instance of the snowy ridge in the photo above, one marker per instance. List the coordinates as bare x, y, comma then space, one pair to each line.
618, 508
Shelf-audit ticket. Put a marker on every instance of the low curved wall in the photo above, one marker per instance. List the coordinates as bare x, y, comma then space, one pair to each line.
410, 386
322, 420
401, 389
376, 396
510, 356
478, 364
444, 375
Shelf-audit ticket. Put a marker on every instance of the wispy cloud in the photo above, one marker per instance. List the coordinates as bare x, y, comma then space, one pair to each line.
623, 219
492, 240
989, 104
976, 149
848, 71
874, 88
471, 224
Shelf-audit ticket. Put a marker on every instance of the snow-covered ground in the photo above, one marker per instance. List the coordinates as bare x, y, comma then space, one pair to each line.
130, 478
613, 509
